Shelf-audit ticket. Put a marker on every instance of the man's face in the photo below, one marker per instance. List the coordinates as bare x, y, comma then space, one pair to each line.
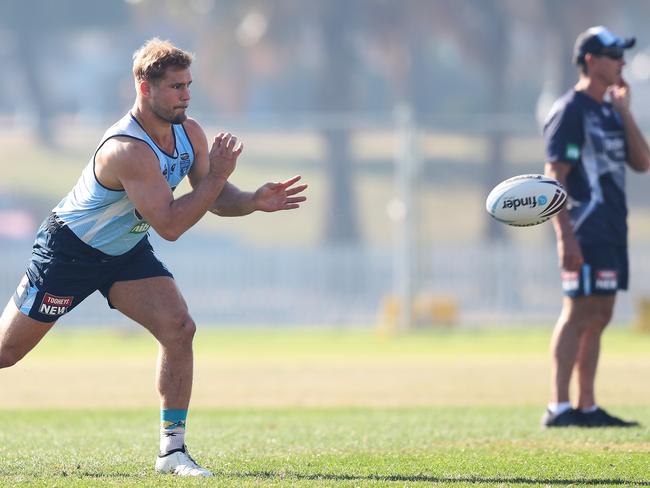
608, 67
169, 97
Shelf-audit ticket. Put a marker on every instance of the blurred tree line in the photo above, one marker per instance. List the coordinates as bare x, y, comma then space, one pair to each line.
287, 57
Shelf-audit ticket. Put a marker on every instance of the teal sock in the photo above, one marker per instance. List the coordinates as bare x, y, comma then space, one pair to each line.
172, 429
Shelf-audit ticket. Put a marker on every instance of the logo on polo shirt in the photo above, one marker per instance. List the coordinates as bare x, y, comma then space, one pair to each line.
572, 152
54, 305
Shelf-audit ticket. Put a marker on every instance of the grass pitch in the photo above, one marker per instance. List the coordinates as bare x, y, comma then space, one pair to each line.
446, 446
337, 408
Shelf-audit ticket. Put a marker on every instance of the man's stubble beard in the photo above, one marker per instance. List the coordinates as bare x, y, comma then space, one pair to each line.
171, 119
179, 119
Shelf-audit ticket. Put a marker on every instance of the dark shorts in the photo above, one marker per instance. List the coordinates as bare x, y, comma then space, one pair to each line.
605, 272
64, 270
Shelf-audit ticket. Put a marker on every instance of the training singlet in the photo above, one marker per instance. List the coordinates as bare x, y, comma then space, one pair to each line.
590, 137
106, 219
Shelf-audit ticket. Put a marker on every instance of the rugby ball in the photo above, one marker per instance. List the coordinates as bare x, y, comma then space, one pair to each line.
526, 200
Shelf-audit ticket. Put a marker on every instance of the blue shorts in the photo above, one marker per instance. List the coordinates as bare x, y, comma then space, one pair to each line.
64, 270
605, 272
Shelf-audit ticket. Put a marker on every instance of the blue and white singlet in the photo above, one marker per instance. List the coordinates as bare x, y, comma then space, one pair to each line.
106, 219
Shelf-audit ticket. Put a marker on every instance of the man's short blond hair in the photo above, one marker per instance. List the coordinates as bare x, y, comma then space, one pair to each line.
154, 57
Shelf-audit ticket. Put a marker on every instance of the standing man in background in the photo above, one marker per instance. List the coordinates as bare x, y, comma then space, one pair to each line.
96, 237
590, 136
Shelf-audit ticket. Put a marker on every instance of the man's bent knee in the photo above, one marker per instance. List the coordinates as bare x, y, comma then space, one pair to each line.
8, 357
6, 362
18, 334
188, 329
178, 332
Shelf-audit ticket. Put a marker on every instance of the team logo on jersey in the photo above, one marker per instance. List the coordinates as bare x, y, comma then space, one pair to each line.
185, 163
606, 279
54, 305
614, 145
570, 280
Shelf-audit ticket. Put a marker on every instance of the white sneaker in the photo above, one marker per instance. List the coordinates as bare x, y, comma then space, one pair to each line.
180, 463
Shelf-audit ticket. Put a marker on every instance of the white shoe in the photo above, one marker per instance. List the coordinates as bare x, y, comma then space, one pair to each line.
180, 463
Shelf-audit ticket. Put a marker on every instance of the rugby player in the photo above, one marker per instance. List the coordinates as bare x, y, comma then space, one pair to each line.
96, 237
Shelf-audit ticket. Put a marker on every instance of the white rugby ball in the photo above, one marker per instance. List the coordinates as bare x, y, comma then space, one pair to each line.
526, 200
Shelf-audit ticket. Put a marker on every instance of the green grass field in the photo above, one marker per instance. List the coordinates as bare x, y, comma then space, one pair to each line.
299, 407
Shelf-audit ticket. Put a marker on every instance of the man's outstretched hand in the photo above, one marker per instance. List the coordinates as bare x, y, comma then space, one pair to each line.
272, 197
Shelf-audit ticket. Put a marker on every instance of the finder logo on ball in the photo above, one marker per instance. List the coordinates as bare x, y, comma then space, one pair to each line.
526, 200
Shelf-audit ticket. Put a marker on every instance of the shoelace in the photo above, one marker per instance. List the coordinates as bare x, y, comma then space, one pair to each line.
190, 457
185, 469
189, 467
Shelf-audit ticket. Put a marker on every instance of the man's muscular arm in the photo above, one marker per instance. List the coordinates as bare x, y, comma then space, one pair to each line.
233, 202
136, 169
270, 197
238, 202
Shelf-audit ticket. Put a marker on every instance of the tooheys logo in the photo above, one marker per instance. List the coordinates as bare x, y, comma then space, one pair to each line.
606, 279
570, 280
532, 202
53, 305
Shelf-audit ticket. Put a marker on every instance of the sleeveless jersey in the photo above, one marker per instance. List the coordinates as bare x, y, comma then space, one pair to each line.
105, 219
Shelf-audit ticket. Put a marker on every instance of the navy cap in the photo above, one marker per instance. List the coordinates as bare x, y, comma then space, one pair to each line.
599, 40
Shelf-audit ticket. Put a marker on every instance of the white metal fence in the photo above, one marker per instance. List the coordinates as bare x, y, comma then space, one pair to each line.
497, 285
